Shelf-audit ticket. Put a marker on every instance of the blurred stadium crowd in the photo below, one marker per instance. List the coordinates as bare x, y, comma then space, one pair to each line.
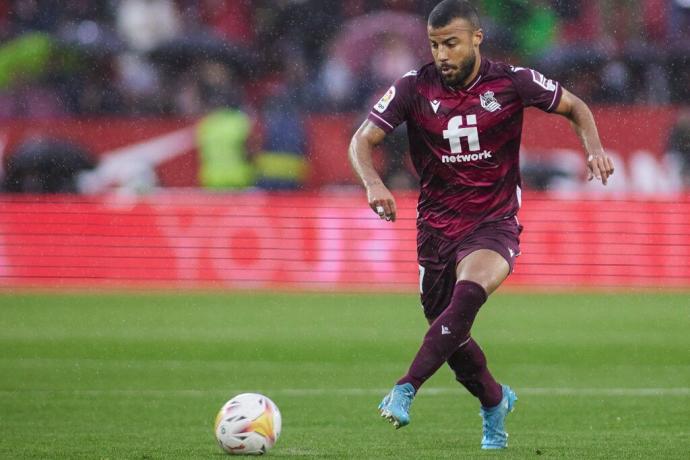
178, 57
280, 59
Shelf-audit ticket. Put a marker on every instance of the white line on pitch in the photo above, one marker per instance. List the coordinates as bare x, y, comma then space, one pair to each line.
682, 391
305, 392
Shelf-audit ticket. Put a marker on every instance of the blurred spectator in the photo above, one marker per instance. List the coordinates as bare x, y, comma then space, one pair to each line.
306, 24
45, 165
281, 164
144, 24
679, 147
222, 143
678, 65
679, 21
135, 57
230, 19
525, 28
391, 60
223, 131
24, 58
28, 15
371, 51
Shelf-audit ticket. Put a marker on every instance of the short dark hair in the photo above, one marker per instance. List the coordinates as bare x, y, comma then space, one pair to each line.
447, 10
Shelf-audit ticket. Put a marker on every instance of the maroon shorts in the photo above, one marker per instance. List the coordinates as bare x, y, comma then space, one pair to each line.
438, 258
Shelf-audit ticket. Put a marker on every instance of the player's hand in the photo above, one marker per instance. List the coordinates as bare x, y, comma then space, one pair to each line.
381, 201
599, 165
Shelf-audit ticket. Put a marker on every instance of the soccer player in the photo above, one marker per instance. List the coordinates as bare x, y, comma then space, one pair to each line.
464, 120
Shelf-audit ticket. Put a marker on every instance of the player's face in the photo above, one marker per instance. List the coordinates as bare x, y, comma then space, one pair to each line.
455, 48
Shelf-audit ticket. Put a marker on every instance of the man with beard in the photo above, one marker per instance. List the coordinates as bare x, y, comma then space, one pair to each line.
464, 121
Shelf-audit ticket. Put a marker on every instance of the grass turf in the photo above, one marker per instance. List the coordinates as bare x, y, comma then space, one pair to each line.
142, 375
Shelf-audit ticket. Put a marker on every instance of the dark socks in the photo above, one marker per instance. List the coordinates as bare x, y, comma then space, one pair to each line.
448, 333
469, 365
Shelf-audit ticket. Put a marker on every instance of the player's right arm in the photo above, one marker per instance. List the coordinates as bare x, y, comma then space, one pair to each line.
390, 111
363, 143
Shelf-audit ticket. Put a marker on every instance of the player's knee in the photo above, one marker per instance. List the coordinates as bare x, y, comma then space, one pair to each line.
487, 281
486, 271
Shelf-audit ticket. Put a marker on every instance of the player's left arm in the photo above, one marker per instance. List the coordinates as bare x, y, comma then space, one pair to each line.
599, 164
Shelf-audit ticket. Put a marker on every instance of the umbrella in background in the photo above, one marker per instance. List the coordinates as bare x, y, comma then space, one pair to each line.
45, 165
182, 52
362, 37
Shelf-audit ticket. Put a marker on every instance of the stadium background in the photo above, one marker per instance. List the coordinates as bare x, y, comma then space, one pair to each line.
155, 149
139, 108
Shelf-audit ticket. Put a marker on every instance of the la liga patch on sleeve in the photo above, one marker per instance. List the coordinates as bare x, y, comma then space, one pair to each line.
383, 103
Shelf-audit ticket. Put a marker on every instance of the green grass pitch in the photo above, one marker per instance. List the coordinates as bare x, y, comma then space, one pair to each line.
141, 376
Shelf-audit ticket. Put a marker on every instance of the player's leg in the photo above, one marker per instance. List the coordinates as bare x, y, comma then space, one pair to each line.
469, 362
451, 328
470, 368
469, 365
479, 273
488, 269
436, 281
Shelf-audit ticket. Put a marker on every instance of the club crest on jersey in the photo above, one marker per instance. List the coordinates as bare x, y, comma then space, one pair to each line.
383, 103
489, 102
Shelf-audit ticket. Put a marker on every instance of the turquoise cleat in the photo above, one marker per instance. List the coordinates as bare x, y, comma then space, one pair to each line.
495, 436
395, 407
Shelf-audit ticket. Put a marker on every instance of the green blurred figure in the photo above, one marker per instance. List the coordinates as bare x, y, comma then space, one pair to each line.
223, 130
531, 24
222, 142
24, 57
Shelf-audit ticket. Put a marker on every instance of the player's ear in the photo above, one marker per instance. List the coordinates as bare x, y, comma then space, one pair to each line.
477, 37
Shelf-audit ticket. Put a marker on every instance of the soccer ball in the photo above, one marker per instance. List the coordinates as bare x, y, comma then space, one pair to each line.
248, 424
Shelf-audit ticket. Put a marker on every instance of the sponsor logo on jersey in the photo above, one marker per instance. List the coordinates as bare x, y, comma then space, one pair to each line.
464, 128
542, 81
435, 104
537, 78
466, 157
458, 130
383, 103
489, 102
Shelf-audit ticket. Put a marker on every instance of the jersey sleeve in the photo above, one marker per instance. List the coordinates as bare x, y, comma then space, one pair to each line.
393, 108
535, 89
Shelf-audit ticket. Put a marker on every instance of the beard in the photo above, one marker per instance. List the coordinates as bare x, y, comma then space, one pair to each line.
465, 69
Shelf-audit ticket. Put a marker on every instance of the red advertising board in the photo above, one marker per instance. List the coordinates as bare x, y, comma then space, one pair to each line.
322, 241
636, 136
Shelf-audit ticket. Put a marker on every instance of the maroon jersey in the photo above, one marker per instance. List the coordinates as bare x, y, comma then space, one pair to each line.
465, 142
